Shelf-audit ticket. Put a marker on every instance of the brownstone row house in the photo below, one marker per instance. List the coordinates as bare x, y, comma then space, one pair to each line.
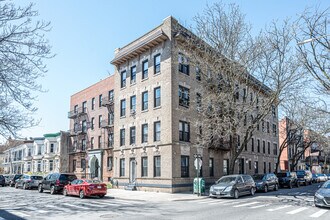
153, 132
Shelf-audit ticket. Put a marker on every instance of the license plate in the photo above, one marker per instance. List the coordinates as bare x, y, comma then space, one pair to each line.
99, 187
218, 193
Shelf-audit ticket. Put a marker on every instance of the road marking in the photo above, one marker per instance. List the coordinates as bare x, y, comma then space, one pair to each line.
232, 203
18, 213
246, 204
297, 210
75, 206
318, 214
58, 208
278, 208
259, 206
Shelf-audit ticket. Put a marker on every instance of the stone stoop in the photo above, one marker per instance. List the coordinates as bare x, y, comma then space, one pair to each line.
131, 187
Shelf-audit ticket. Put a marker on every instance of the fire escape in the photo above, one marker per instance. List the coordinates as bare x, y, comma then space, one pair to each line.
79, 130
108, 124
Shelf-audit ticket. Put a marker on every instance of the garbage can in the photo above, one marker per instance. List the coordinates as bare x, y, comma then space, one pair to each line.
199, 186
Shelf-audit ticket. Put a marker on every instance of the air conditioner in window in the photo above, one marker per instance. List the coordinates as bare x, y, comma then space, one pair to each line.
133, 111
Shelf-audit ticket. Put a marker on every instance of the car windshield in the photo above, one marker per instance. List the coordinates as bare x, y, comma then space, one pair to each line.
93, 181
36, 177
227, 179
258, 177
326, 185
67, 177
281, 175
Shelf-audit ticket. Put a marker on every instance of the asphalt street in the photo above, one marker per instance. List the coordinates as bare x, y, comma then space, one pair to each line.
290, 204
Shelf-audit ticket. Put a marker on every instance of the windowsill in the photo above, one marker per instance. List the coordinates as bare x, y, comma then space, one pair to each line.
133, 83
158, 107
122, 88
144, 79
185, 142
122, 116
185, 73
185, 106
156, 74
143, 111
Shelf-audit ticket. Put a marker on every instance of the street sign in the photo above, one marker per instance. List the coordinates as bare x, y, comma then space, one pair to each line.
198, 163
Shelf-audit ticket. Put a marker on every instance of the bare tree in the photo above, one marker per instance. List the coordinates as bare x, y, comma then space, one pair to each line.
244, 78
313, 38
23, 49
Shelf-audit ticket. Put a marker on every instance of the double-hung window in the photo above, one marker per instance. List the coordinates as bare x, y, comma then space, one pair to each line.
184, 166
144, 133
184, 131
183, 96
132, 134
145, 100
122, 167
133, 74
123, 79
144, 166
122, 137
183, 64
157, 98
157, 63
145, 69
157, 131
122, 107
157, 166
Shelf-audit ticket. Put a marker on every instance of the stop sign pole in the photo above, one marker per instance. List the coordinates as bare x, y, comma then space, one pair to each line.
198, 167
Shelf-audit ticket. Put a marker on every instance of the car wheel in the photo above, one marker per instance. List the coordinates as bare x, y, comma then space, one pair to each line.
252, 191
16, 185
236, 194
101, 196
266, 189
65, 192
276, 187
52, 190
306, 183
24, 186
290, 185
40, 189
81, 194
298, 185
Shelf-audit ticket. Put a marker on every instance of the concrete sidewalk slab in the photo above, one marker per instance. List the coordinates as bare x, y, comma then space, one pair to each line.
152, 196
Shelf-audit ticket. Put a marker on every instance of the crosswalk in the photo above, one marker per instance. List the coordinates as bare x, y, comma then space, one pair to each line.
287, 209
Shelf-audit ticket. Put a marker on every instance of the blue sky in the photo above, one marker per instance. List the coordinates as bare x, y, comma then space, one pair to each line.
85, 34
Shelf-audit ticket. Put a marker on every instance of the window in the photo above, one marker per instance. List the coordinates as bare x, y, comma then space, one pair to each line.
144, 166
157, 166
269, 167
275, 149
144, 100
198, 73
157, 97
263, 125
133, 74
225, 167
51, 165
263, 147
238, 141
83, 144
183, 96
92, 123
258, 145
100, 120
123, 79
75, 109
51, 148
110, 140
250, 165
84, 107
92, 142
268, 147
268, 127
211, 166
157, 131
93, 103
122, 137
132, 135
273, 111
84, 126
274, 129
157, 63
256, 168
100, 141
184, 166
245, 147
199, 101
144, 133
145, 69
39, 166
133, 104
122, 107
122, 167
111, 95
109, 163
184, 131
83, 164
74, 162
265, 167
100, 100
183, 64
252, 144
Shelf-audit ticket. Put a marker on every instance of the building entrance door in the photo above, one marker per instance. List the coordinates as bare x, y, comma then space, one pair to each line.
132, 170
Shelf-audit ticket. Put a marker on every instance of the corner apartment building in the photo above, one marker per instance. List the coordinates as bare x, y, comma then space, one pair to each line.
155, 129
91, 130
40, 155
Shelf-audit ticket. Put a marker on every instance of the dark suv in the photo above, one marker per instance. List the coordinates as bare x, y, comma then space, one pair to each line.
2, 181
265, 182
304, 177
13, 179
288, 179
55, 182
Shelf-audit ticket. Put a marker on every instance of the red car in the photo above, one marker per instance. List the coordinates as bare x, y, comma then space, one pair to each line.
83, 188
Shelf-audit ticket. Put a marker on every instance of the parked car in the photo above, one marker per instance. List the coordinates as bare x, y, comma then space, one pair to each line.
233, 186
314, 178
265, 182
55, 182
8, 178
304, 177
13, 179
2, 181
321, 177
28, 181
83, 188
322, 195
328, 175
288, 179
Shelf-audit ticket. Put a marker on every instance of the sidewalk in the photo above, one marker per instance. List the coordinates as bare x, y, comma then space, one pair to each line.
153, 196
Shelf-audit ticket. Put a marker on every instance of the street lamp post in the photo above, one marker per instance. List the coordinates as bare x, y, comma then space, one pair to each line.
312, 39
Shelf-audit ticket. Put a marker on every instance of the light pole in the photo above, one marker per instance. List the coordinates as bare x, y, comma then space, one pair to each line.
312, 39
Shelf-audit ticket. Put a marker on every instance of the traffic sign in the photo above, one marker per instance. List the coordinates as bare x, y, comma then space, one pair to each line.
198, 163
